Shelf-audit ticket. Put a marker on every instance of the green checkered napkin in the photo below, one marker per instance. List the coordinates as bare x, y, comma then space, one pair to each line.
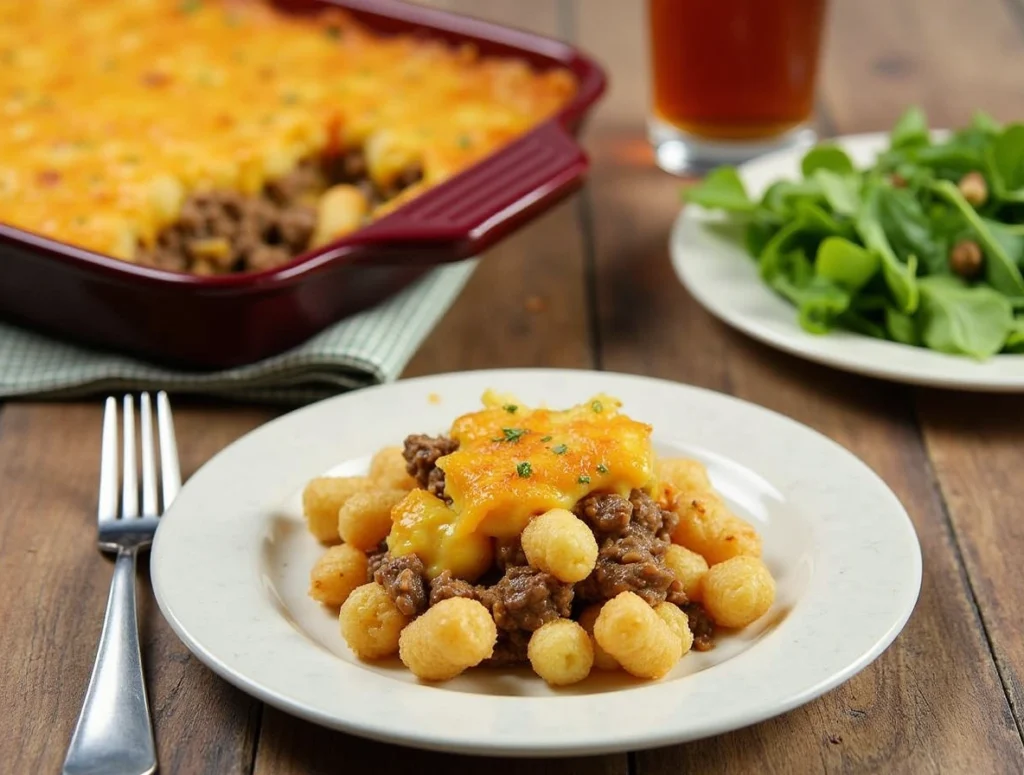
367, 349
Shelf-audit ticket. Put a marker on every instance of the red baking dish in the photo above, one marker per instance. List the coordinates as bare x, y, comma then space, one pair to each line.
217, 322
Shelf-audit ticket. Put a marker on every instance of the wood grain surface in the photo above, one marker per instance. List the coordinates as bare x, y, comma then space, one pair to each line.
589, 285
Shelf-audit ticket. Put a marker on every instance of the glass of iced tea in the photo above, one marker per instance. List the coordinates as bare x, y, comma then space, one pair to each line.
731, 79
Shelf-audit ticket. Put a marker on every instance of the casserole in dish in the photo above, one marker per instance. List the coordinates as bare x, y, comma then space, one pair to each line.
262, 172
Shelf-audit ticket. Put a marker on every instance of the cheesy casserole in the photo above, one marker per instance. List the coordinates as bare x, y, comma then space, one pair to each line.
212, 137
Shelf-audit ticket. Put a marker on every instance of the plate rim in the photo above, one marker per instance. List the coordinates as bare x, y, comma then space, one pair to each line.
804, 345
429, 740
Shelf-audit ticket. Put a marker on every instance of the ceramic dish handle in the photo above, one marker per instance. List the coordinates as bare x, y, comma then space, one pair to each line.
480, 206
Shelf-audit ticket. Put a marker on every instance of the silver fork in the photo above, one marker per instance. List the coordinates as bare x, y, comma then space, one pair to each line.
114, 733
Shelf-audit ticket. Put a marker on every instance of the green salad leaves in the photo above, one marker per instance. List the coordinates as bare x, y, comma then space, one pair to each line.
925, 248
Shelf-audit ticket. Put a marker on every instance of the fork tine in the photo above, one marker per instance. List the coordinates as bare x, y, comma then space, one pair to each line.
107, 508
129, 475
169, 469
148, 452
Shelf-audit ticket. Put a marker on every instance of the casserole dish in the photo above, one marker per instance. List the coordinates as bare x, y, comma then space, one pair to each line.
220, 321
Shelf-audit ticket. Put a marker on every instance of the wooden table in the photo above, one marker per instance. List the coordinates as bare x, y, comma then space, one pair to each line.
589, 285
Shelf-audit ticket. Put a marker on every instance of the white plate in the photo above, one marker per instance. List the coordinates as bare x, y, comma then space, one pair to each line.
231, 561
724, 279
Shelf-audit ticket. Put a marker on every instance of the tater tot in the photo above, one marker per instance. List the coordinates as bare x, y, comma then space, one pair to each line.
688, 478
706, 526
559, 543
451, 636
560, 652
676, 619
340, 570
365, 519
738, 591
602, 659
688, 567
371, 622
639, 639
322, 499
387, 470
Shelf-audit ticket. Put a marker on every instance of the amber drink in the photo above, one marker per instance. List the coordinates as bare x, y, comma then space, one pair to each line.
731, 78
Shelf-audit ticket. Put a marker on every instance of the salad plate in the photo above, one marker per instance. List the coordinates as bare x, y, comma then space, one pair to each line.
716, 269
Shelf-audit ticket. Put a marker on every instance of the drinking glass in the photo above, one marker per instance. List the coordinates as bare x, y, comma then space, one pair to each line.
731, 79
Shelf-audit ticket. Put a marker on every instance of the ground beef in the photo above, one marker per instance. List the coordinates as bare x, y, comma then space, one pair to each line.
446, 586
374, 559
631, 562
605, 513
223, 231
509, 552
526, 598
510, 649
421, 454
405, 582
701, 625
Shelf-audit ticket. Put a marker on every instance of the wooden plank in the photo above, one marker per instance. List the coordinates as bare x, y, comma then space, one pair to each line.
524, 306
894, 716
56, 585
952, 57
292, 747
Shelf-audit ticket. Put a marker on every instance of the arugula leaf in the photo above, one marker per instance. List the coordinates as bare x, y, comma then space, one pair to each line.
783, 196
819, 303
1006, 160
722, 189
899, 277
1015, 339
963, 320
901, 328
845, 263
826, 157
908, 228
911, 129
840, 191
1001, 271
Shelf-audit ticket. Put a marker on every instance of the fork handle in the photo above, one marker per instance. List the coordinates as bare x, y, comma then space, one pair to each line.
114, 733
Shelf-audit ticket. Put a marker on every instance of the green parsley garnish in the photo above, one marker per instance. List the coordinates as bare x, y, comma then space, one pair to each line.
545, 439
584, 479
597, 407
510, 408
524, 470
333, 32
464, 141
188, 6
602, 468
561, 449
512, 434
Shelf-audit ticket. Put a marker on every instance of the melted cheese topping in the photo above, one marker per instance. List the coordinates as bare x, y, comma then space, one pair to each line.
514, 463
113, 111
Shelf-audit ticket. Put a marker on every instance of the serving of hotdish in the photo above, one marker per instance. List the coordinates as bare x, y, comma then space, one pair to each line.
229, 319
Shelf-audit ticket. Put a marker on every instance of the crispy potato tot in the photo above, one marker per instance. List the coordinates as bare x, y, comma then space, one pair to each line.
639, 639
340, 570
323, 498
602, 659
341, 209
677, 619
561, 544
689, 478
451, 636
738, 591
706, 526
688, 567
365, 519
387, 470
370, 622
561, 652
